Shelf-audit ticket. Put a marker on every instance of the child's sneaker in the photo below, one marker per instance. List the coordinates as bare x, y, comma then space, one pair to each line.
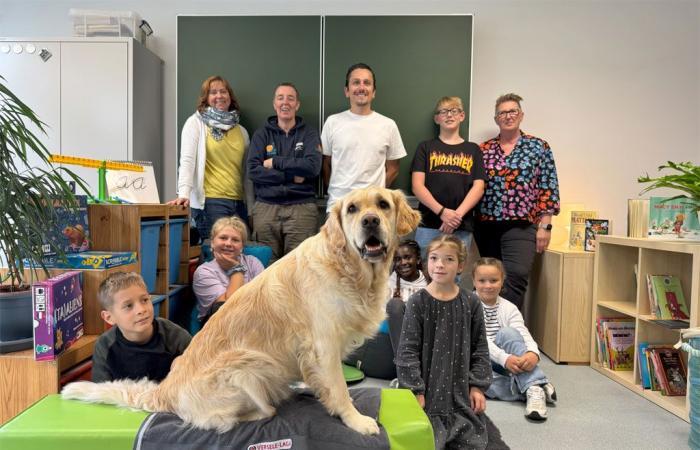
550, 393
394, 384
535, 407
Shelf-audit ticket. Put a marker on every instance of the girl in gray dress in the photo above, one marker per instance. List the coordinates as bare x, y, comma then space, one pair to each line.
443, 354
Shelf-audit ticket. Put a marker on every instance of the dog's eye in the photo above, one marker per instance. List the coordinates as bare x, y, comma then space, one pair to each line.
384, 204
352, 208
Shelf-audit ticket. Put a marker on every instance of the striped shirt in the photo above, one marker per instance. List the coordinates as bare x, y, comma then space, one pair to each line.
491, 320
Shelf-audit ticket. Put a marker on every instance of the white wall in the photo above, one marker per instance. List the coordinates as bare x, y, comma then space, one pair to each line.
614, 86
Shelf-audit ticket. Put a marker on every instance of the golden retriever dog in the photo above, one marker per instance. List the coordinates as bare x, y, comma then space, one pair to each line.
295, 321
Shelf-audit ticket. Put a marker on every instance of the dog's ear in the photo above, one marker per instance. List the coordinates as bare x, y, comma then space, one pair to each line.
407, 218
333, 228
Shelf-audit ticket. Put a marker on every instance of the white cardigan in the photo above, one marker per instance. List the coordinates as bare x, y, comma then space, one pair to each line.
509, 316
193, 155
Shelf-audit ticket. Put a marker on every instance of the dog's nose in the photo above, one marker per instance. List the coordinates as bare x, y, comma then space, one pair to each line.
370, 221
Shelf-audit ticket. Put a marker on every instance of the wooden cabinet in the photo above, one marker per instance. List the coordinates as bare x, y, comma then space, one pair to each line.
559, 299
620, 290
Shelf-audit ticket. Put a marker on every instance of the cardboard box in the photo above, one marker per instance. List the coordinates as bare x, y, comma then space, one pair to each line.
57, 305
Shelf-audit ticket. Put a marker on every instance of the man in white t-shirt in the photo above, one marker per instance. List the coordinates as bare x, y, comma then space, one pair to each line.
360, 147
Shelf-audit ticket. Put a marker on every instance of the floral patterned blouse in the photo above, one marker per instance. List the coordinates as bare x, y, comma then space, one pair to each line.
522, 185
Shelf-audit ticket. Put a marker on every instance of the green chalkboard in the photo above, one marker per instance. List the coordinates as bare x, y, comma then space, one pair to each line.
254, 53
417, 60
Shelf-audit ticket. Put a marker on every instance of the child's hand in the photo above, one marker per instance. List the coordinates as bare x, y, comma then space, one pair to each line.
477, 400
528, 361
513, 364
421, 400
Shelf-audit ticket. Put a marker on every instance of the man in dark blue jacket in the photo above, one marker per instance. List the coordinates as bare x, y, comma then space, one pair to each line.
284, 161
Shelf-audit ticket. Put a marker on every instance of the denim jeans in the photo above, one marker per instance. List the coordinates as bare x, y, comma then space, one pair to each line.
508, 386
425, 235
214, 209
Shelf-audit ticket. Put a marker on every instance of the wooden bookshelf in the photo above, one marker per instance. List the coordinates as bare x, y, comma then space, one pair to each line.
620, 290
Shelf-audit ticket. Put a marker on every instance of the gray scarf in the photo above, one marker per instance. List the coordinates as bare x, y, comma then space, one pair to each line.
219, 122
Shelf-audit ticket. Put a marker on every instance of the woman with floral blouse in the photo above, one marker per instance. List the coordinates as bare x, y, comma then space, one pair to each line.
522, 194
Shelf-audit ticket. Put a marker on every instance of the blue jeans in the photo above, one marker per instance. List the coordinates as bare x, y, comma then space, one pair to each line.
425, 235
508, 386
214, 209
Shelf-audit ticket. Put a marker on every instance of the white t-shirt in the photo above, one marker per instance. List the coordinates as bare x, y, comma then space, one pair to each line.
360, 145
407, 288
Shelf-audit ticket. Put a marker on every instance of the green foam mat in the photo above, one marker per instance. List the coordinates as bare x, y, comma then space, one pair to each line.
352, 374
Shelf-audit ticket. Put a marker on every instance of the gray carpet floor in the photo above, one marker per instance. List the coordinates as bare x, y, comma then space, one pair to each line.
592, 412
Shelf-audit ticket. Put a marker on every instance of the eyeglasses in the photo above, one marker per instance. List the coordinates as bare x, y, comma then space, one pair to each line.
445, 112
509, 113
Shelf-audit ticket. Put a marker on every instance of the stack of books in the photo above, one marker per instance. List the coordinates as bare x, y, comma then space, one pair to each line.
662, 368
662, 218
615, 341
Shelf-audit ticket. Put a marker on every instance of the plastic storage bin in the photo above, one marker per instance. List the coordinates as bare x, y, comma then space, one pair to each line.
150, 237
694, 391
157, 301
175, 247
16, 332
90, 22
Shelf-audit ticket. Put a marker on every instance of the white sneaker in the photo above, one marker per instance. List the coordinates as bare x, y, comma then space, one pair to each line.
535, 407
394, 384
550, 393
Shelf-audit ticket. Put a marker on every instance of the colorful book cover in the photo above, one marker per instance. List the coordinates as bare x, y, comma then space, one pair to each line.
603, 324
621, 345
673, 219
57, 305
672, 371
577, 229
669, 297
643, 366
595, 227
71, 228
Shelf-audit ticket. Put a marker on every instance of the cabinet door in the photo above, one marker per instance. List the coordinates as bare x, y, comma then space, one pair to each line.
36, 82
94, 103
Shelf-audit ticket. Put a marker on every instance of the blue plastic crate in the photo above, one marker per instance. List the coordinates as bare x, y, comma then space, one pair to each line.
150, 236
157, 301
174, 248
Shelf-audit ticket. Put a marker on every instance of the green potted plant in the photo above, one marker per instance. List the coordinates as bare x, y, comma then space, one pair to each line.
27, 197
685, 178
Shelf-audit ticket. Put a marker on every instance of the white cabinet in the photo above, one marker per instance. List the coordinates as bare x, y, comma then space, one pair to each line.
100, 98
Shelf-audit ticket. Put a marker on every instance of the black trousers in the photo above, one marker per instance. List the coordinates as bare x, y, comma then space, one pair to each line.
514, 243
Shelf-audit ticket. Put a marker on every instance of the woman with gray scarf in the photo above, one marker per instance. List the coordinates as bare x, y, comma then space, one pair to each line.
212, 155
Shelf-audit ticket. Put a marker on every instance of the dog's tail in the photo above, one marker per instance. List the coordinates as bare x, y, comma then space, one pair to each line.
135, 394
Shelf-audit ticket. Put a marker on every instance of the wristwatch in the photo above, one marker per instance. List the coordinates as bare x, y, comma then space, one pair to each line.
237, 268
545, 226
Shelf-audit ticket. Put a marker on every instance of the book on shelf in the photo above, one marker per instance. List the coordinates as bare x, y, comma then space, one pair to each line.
57, 306
644, 375
672, 219
669, 298
637, 217
595, 227
620, 338
667, 364
673, 323
577, 230
610, 357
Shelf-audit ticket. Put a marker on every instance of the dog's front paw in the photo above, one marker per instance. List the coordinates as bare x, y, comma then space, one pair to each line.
362, 424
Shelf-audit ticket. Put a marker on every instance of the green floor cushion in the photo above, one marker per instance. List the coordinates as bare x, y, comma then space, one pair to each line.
352, 374
59, 424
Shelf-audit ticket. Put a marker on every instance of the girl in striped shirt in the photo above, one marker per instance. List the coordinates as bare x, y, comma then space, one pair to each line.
513, 352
